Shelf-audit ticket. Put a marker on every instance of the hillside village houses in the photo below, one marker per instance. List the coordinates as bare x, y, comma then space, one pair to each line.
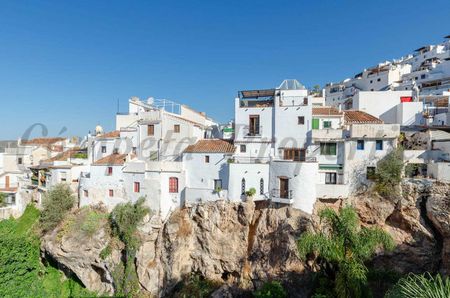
287, 145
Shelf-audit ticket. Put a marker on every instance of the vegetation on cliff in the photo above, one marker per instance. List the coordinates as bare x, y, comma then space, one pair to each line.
56, 204
341, 249
124, 222
21, 272
425, 286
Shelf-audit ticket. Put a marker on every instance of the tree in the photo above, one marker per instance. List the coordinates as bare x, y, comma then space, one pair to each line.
316, 88
342, 247
124, 220
56, 204
425, 286
271, 289
389, 173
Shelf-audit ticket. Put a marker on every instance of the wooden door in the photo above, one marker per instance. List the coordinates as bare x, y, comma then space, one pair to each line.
284, 188
6, 182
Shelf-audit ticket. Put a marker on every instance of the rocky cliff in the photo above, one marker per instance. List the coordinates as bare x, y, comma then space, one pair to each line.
244, 245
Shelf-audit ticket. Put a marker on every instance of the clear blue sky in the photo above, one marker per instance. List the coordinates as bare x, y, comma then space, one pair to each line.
66, 63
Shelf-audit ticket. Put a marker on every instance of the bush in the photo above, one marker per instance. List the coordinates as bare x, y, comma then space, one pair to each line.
271, 290
425, 286
2, 199
124, 220
251, 192
389, 173
195, 285
56, 204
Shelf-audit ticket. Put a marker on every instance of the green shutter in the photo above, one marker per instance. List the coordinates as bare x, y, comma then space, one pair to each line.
315, 124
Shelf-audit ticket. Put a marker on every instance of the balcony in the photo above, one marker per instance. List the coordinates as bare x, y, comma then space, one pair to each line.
245, 103
375, 131
252, 131
283, 197
327, 134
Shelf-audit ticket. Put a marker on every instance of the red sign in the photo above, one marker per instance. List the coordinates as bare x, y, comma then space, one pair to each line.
405, 99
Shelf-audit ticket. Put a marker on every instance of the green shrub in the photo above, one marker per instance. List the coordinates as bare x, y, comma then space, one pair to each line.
272, 289
2, 199
56, 204
342, 247
124, 221
195, 285
389, 173
251, 192
424, 286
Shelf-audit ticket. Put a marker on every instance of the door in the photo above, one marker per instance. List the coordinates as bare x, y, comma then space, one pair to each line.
284, 188
253, 125
6, 182
315, 124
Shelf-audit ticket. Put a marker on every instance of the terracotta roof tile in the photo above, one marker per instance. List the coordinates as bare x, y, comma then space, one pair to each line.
42, 141
110, 135
211, 146
326, 111
360, 117
63, 156
112, 160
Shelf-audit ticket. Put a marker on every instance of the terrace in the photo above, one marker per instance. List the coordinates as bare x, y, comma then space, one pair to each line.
256, 98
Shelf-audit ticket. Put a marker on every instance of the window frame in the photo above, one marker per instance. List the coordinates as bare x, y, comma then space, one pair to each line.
331, 178
326, 148
103, 149
207, 159
218, 184
173, 185
360, 145
137, 187
377, 143
176, 128
301, 120
150, 130
243, 146
109, 171
327, 124
111, 193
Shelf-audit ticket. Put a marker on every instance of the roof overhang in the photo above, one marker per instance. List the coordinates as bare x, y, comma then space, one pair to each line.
257, 93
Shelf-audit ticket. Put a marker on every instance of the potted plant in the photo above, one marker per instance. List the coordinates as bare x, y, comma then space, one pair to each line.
250, 193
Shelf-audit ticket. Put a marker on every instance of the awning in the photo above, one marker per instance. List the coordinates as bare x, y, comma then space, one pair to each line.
330, 167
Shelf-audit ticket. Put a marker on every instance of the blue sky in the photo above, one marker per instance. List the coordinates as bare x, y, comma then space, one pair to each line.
66, 63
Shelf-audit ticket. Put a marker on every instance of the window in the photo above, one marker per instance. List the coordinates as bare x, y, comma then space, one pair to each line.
137, 187
176, 128
327, 124
111, 193
330, 178
134, 150
301, 120
261, 186
378, 80
360, 145
217, 184
371, 173
253, 127
371, 89
371, 81
173, 184
294, 154
151, 130
103, 149
423, 76
379, 144
19, 160
206, 158
243, 148
243, 186
109, 172
327, 148
315, 123
305, 101
85, 193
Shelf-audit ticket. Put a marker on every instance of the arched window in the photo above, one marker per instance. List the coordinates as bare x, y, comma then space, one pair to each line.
261, 186
243, 186
173, 185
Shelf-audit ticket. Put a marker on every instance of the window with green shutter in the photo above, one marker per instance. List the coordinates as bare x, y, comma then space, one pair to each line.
327, 148
315, 123
327, 124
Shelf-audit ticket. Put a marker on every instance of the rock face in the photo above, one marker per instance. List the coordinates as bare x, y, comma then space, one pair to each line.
243, 245
80, 257
227, 242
